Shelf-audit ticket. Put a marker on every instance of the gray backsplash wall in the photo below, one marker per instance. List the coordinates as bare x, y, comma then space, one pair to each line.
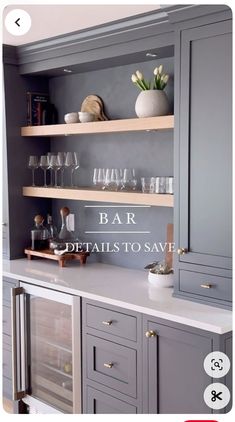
150, 153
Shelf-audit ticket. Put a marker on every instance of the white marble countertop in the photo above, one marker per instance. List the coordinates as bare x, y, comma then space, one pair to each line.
121, 287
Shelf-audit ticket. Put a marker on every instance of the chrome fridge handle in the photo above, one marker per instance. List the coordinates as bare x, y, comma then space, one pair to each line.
16, 353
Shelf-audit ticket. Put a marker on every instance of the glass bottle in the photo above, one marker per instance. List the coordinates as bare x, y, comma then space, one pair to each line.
39, 234
65, 233
52, 229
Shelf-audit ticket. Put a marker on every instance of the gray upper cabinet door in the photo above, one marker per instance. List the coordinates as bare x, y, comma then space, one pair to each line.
173, 366
205, 146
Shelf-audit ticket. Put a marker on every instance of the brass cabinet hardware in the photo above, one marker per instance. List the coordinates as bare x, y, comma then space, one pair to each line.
206, 286
108, 365
150, 333
107, 322
182, 251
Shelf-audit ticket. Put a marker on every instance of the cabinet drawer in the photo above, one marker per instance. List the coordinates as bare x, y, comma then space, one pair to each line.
6, 320
206, 285
101, 403
112, 322
112, 365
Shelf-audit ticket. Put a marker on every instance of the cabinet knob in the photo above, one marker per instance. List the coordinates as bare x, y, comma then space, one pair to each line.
150, 333
206, 286
182, 251
107, 322
108, 365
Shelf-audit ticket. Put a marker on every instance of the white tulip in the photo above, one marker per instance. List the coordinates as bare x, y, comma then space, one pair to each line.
134, 78
139, 75
155, 72
166, 78
160, 68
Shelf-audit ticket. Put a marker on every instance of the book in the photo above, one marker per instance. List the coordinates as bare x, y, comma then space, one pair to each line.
36, 103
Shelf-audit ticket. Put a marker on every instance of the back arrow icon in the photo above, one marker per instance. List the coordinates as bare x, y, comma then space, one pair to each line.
16, 22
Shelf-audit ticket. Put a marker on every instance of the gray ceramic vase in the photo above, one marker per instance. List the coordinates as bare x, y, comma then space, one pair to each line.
152, 103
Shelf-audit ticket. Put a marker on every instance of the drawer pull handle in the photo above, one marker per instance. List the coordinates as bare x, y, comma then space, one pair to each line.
206, 286
182, 251
150, 333
108, 365
107, 322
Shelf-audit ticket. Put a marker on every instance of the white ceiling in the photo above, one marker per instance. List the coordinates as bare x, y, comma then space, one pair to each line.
51, 20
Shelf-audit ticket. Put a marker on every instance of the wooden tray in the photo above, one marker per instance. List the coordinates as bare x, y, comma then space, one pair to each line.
49, 254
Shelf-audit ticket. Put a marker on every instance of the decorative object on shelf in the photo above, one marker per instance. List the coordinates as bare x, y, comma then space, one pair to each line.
85, 116
52, 229
61, 259
65, 233
94, 104
39, 234
160, 274
49, 115
71, 118
152, 101
36, 105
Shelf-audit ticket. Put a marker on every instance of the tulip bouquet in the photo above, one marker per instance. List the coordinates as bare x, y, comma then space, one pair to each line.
159, 81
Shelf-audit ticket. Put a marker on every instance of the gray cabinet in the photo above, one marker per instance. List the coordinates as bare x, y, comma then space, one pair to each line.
101, 403
174, 377
112, 359
203, 163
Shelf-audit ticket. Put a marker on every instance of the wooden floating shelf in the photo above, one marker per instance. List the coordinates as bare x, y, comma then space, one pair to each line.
110, 126
87, 194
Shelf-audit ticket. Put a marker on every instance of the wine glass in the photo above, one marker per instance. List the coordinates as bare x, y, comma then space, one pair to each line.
51, 169
45, 165
61, 160
72, 162
55, 165
33, 164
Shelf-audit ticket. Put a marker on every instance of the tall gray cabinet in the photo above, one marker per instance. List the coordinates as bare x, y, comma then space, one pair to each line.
203, 164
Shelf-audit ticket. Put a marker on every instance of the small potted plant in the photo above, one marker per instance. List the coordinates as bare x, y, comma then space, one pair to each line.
160, 274
152, 100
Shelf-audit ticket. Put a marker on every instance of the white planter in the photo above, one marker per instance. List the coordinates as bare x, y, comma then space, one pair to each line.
152, 103
160, 280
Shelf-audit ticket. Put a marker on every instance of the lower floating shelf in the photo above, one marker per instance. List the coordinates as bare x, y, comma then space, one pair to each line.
87, 194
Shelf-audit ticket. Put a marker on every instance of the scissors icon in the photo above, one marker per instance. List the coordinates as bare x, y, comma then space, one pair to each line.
216, 395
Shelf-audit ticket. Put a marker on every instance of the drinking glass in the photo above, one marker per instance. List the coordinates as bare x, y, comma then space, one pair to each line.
55, 165
45, 165
148, 184
111, 179
51, 169
61, 159
76, 166
160, 185
72, 162
170, 185
99, 177
33, 164
129, 181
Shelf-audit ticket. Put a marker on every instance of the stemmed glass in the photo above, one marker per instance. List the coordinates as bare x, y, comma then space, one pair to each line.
33, 164
51, 169
45, 165
72, 161
55, 165
61, 160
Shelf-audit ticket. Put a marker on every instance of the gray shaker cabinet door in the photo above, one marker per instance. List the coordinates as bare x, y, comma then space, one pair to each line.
174, 375
205, 143
101, 403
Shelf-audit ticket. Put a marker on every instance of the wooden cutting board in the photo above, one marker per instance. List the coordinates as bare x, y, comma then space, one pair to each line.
94, 104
